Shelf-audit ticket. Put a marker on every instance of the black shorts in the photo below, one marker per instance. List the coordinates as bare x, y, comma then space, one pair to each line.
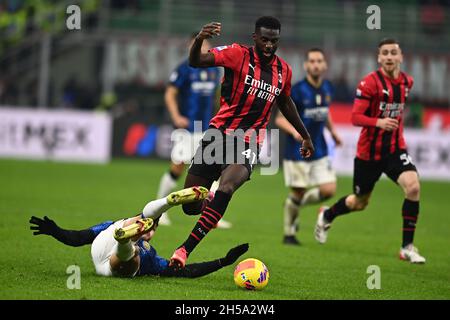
217, 150
367, 173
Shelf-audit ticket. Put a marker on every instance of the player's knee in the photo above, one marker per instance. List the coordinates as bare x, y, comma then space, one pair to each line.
227, 187
192, 209
361, 204
357, 204
413, 190
327, 193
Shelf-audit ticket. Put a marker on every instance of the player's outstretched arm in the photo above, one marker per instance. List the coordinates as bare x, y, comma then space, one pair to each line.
196, 57
234, 254
74, 238
289, 111
330, 126
201, 269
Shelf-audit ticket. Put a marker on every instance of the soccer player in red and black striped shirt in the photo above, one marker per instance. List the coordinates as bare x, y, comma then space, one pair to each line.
255, 78
378, 108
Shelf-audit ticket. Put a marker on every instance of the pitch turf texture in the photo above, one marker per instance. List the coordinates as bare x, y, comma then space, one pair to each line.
80, 195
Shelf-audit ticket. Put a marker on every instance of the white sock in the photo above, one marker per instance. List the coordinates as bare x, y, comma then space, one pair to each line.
311, 196
154, 209
125, 251
290, 217
166, 185
214, 186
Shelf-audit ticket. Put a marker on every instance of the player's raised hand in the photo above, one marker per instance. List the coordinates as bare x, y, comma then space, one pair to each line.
388, 124
180, 122
307, 148
210, 30
336, 138
43, 226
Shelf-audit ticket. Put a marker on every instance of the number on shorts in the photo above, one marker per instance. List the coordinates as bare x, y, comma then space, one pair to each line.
406, 158
248, 154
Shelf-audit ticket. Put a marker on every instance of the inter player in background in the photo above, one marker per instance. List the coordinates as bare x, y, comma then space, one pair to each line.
190, 96
378, 108
254, 79
311, 180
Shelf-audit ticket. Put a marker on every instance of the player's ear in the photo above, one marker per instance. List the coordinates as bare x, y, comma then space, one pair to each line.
254, 36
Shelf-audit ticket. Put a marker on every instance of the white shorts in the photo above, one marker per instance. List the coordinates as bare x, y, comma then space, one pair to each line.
185, 144
103, 248
306, 174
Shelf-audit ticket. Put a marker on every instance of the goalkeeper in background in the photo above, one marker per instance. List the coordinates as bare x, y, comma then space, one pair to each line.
122, 248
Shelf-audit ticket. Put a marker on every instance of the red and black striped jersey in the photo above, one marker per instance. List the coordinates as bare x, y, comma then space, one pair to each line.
379, 96
249, 89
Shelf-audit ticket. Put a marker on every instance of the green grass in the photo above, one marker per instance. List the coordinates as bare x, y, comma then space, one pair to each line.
80, 195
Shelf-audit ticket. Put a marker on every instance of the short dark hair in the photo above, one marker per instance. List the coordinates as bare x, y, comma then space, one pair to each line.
314, 50
267, 22
388, 41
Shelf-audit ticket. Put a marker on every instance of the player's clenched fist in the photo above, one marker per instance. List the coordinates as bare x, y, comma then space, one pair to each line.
307, 149
387, 124
209, 30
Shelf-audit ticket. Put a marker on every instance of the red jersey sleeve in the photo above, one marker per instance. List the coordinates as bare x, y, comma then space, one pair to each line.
228, 56
365, 92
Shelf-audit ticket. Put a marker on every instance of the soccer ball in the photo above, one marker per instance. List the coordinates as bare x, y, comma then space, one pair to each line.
251, 274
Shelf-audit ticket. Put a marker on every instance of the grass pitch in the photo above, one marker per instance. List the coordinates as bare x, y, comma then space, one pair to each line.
81, 195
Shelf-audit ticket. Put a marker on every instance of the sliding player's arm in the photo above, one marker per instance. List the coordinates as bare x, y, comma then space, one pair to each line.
289, 111
74, 238
364, 95
196, 270
196, 57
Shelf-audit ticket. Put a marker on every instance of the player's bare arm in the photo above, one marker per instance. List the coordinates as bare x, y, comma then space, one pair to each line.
289, 110
196, 57
282, 123
170, 98
330, 126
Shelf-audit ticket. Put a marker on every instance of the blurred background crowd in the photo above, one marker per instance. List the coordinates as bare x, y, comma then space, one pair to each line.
122, 57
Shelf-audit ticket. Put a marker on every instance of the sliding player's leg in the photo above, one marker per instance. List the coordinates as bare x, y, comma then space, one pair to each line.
125, 260
167, 184
154, 209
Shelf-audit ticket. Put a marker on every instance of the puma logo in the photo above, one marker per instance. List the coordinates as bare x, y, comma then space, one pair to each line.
386, 92
253, 68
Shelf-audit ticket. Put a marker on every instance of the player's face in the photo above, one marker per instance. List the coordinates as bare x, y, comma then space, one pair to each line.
390, 57
316, 65
266, 43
